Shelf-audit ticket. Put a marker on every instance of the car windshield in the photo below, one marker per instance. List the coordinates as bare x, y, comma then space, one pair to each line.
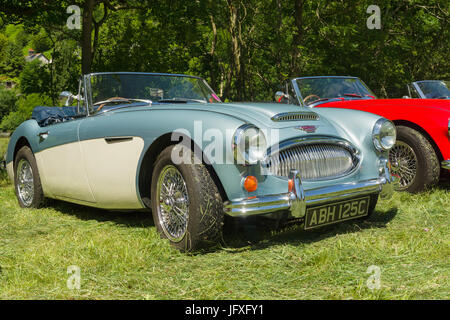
435, 89
113, 89
324, 88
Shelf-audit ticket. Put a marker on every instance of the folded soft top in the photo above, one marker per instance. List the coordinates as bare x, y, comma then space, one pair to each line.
48, 115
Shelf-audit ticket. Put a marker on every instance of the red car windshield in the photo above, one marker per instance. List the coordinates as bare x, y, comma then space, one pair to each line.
324, 88
435, 89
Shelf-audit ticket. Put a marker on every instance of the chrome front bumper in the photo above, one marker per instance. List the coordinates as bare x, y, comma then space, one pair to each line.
299, 199
446, 164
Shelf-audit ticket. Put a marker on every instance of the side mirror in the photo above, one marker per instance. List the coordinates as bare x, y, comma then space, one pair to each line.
280, 96
66, 97
406, 97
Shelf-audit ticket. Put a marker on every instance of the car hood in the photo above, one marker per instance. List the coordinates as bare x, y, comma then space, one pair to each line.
257, 113
441, 104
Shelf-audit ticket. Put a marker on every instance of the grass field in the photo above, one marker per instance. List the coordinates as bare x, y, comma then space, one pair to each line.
122, 257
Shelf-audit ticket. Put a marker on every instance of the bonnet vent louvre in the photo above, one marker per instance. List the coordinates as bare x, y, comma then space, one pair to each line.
296, 116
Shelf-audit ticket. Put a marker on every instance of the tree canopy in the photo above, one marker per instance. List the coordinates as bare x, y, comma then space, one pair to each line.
245, 49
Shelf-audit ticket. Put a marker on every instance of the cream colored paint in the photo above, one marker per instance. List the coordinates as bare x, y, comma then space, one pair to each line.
112, 169
10, 170
63, 173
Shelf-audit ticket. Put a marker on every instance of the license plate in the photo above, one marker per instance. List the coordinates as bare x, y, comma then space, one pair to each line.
336, 212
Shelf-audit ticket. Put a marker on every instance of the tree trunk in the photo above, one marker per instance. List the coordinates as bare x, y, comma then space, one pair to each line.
212, 54
237, 61
86, 37
298, 16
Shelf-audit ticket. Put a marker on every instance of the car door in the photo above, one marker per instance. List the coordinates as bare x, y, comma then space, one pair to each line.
60, 159
111, 158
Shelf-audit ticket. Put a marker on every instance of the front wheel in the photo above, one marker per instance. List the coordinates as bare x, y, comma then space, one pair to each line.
414, 161
186, 204
27, 181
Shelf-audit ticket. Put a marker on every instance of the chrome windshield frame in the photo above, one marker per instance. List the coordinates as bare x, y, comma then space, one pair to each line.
416, 86
88, 87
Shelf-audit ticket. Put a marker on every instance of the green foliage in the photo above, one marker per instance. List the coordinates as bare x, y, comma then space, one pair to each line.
13, 59
7, 102
245, 49
65, 69
3, 44
25, 106
34, 78
40, 42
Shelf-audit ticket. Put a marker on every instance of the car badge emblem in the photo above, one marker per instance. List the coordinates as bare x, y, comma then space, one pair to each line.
307, 129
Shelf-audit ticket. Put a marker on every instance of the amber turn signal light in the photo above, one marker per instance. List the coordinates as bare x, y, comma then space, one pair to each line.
291, 185
250, 183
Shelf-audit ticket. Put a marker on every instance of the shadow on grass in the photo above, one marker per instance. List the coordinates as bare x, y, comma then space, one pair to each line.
135, 219
253, 237
444, 184
244, 234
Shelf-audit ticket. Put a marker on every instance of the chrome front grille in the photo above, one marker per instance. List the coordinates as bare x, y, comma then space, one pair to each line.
313, 161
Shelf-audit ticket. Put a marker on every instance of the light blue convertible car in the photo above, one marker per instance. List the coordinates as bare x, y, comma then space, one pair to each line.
166, 143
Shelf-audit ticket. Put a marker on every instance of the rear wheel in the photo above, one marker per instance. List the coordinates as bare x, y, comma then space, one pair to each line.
27, 181
414, 161
186, 204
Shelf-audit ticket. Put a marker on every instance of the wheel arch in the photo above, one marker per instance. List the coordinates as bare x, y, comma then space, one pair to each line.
21, 142
418, 128
151, 154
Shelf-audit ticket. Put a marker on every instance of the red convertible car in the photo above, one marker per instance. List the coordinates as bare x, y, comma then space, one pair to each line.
422, 151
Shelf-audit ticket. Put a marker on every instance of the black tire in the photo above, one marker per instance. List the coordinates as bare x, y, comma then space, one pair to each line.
426, 161
25, 156
205, 204
373, 203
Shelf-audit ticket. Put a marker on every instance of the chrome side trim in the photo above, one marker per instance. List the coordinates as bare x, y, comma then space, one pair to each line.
299, 199
446, 164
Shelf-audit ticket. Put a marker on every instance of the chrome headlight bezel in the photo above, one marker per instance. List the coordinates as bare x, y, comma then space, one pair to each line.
384, 135
243, 153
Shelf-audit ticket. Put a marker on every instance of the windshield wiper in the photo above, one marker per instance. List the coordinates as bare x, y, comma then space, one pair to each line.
319, 100
352, 95
123, 100
180, 100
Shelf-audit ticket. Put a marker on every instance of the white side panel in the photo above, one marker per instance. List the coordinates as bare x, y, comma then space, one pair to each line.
43, 175
63, 174
10, 170
112, 168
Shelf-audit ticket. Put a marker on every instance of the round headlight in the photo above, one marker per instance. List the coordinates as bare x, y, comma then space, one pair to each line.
249, 144
384, 135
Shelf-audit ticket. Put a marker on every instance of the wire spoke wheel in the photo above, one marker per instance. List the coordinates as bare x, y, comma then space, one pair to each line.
173, 206
25, 185
404, 164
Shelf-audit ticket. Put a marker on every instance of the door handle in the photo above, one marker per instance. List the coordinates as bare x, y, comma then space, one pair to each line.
43, 135
110, 140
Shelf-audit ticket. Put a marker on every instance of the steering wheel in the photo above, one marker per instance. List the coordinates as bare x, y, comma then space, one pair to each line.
311, 96
112, 100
